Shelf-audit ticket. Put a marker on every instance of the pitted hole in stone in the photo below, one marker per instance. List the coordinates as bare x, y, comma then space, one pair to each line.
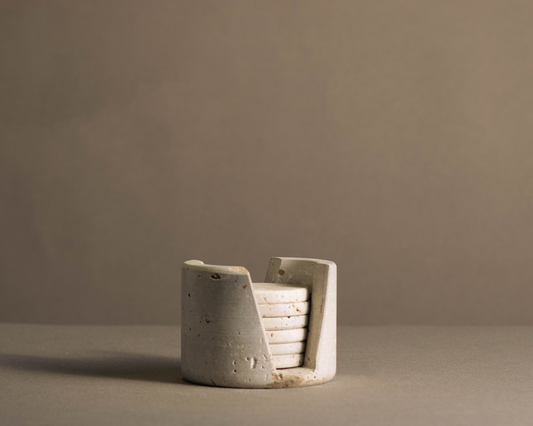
253, 362
189, 295
281, 272
215, 277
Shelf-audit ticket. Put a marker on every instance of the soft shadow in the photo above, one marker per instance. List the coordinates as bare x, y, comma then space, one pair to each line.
116, 365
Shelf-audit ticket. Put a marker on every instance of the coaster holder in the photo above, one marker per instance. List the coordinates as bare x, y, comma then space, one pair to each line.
223, 339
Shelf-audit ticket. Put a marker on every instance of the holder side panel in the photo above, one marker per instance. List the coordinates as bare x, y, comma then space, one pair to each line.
223, 342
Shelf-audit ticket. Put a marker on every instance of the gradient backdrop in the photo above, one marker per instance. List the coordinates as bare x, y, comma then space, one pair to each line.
392, 137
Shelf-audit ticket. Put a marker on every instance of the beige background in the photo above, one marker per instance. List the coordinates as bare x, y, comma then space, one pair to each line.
394, 138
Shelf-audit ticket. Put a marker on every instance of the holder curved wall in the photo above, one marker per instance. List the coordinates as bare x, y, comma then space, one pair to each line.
223, 340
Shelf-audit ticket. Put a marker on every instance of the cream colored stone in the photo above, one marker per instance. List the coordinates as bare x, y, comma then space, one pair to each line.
287, 348
288, 361
287, 336
285, 323
280, 293
284, 309
224, 341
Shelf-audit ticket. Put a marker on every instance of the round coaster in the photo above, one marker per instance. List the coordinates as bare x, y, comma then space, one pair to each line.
284, 309
287, 348
288, 361
280, 293
285, 323
287, 336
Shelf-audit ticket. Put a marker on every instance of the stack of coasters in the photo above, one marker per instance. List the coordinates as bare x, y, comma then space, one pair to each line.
284, 312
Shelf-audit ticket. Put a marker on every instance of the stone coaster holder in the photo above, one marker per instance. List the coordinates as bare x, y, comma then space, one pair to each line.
223, 339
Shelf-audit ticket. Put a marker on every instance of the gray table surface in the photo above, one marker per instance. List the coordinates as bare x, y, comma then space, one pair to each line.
393, 375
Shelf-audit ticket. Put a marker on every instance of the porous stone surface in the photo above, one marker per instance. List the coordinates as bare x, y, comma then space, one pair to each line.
287, 336
285, 323
226, 341
287, 348
280, 293
288, 361
284, 309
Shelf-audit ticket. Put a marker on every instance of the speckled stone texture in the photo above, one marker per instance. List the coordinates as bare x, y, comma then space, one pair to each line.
227, 342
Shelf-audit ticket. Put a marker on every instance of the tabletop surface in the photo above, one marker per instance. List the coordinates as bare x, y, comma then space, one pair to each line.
389, 375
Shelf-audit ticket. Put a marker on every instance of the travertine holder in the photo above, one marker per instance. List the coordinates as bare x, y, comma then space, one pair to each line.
224, 342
